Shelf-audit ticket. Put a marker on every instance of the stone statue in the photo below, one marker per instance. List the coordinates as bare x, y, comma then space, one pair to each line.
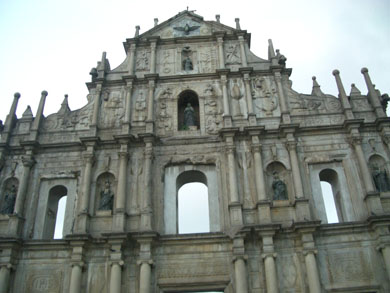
93, 73
9, 201
187, 64
106, 197
281, 58
381, 180
279, 187
189, 116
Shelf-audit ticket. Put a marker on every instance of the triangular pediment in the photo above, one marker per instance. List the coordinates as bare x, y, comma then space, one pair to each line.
186, 24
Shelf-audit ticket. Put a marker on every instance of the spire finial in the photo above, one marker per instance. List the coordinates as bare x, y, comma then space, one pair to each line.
137, 27
237, 20
354, 91
218, 18
316, 91
155, 21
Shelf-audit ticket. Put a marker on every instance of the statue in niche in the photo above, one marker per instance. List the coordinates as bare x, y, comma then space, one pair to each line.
189, 116
106, 197
232, 55
9, 201
279, 187
187, 64
381, 179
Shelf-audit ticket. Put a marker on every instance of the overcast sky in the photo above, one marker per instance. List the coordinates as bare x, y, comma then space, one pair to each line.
52, 45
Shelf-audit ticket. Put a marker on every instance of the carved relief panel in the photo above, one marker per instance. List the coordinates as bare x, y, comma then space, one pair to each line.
139, 104
163, 114
112, 108
266, 101
237, 94
213, 109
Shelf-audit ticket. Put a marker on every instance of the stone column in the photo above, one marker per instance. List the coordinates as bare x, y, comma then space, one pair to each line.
5, 273
385, 249
120, 203
145, 277
232, 174
343, 96
312, 271
263, 207
292, 149
28, 161
150, 100
243, 54
240, 275
282, 98
9, 121
129, 90
116, 277
269, 264
372, 94
96, 105
83, 207
248, 93
366, 174
146, 203
131, 58
75, 278
220, 52
226, 108
153, 57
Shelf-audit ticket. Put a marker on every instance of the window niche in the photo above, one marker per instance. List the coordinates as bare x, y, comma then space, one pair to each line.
188, 111
9, 192
331, 195
105, 194
53, 215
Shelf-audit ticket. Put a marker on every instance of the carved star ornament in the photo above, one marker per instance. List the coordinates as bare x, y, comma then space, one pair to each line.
187, 28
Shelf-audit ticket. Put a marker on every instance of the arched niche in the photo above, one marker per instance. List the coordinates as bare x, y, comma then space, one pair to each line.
379, 173
333, 201
105, 192
188, 97
179, 175
8, 195
279, 184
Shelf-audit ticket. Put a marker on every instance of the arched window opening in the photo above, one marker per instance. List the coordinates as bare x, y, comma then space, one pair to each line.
193, 203
331, 195
188, 111
58, 230
193, 209
55, 195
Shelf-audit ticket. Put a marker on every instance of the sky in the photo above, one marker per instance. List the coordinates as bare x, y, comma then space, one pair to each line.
52, 45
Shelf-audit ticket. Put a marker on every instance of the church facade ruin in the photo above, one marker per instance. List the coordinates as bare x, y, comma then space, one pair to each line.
192, 103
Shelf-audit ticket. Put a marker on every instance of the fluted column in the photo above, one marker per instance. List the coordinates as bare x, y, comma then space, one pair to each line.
240, 275
5, 273
248, 93
385, 249
226, 108
96, 105
232, 174
372, 94
292, 149
131, 58
75, 278
220, 52
28, 161
150, 100
269, 264
366, 174
129, 90
116, 277
243, 54
282, 98
343, 96
312, 271
146, 204
153, 57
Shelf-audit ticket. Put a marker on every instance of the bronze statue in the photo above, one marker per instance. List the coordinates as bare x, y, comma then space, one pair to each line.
381, 180
106, 197
189, 116
280, 188
9, 201
187, 64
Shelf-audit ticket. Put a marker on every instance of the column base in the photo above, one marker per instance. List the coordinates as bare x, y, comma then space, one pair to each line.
15, 225
227, 121
264, 212
252, 119
374, 204
235, 211
119, 222
82, 224
302, 210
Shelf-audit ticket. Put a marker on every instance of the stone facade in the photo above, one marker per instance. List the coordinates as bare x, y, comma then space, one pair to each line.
261, 147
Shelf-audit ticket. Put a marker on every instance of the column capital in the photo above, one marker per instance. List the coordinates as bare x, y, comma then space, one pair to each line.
269, 254
355, 140
89, 158
79, 264
145, 261
309, 251
28, 161
117, 262
291, 145
244, 257
7, 265
256, 147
